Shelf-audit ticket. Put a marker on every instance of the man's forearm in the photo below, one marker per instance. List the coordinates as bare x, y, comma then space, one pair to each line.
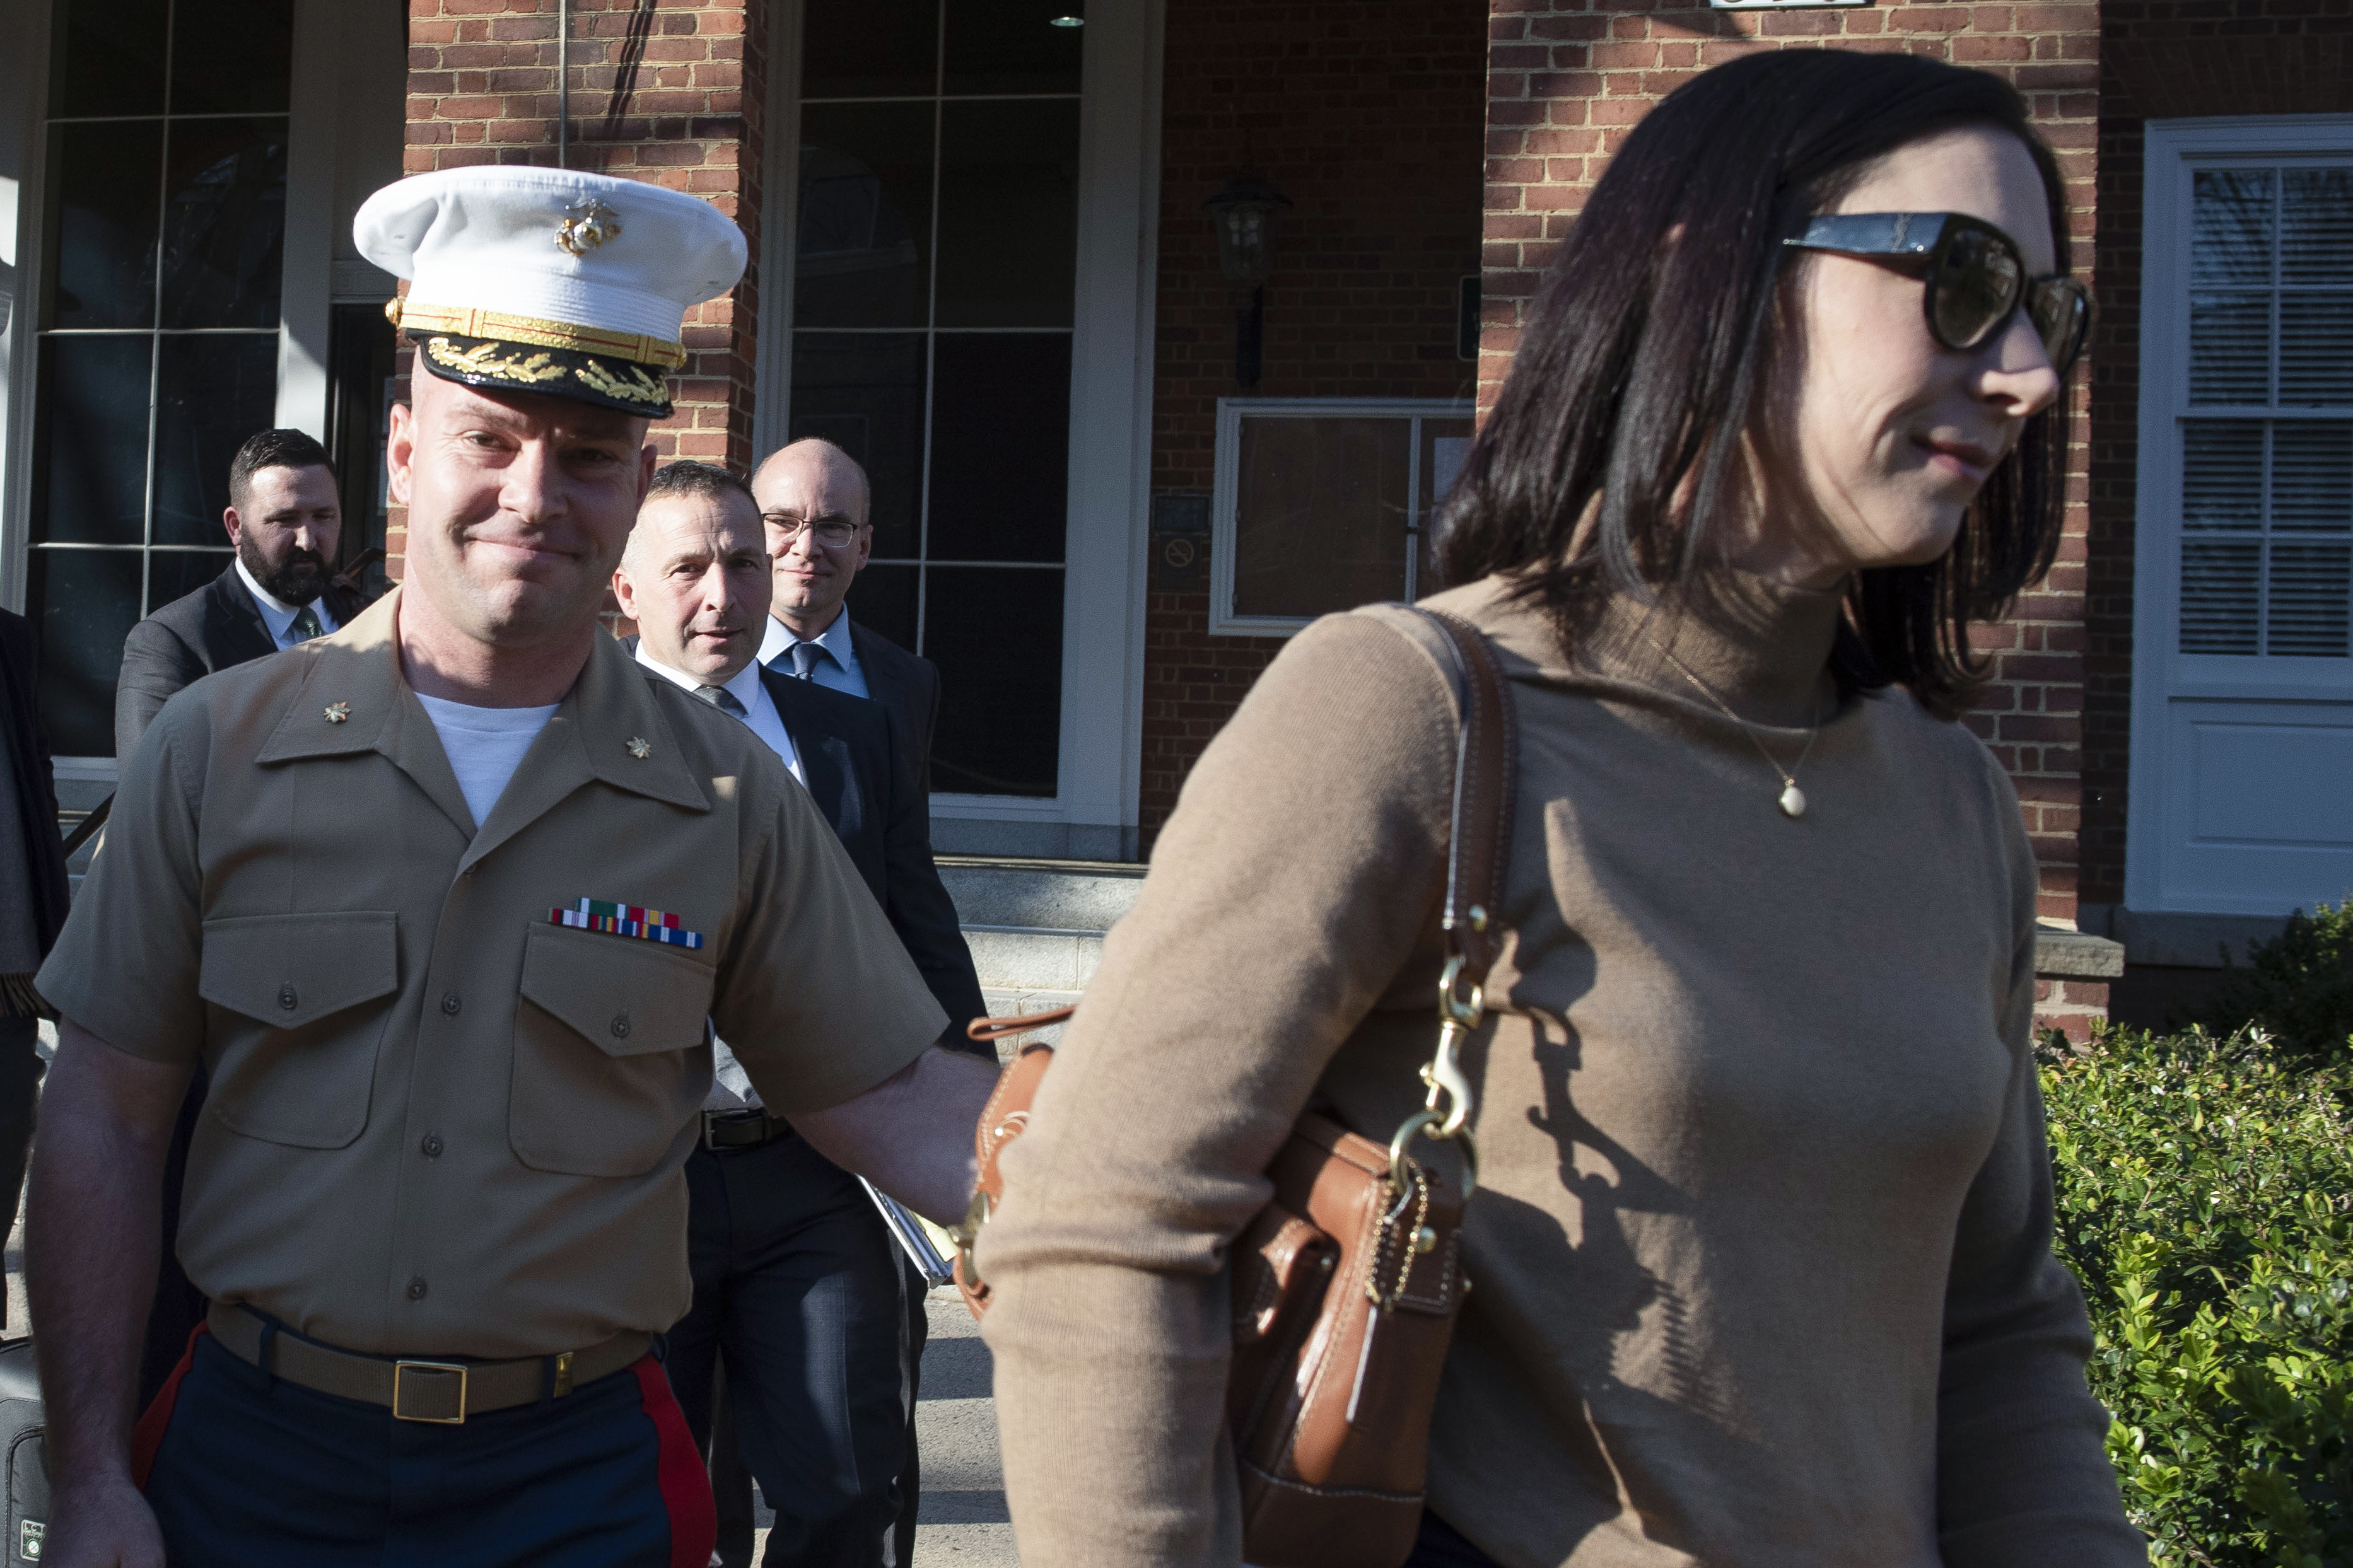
911, 1134
92, 1232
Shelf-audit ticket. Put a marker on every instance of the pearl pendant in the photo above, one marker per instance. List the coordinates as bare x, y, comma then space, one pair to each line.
1793, 800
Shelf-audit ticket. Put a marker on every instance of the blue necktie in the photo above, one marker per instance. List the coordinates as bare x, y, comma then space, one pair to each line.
804, 657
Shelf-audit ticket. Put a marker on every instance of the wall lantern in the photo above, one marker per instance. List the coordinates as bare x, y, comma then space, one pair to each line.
1244, 215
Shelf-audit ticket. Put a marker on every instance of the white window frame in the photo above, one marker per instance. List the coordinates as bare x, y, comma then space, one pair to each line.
1095, 811
2162, 675
1225, 491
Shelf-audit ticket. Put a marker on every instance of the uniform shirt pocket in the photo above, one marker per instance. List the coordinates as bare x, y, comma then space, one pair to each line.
298, 1046
611, 1053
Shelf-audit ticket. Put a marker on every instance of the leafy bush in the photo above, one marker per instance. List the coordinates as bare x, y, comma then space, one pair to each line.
2205, 1200
2297, 986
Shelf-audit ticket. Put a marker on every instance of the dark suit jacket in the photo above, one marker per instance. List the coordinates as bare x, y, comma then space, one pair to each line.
906, 684
213, 628
861, 776
27, 758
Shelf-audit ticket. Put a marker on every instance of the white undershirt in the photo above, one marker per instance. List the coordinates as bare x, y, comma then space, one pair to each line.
485, 745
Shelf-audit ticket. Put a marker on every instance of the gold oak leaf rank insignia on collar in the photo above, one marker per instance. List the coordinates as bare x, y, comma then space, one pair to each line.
338, 712
640, 747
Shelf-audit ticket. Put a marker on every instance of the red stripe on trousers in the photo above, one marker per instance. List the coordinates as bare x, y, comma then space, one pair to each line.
685, 1484
148, 1435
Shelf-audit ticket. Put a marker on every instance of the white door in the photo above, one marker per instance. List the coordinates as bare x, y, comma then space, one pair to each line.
2243, 650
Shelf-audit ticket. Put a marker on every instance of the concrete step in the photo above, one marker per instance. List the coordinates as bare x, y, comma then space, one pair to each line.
1036, 927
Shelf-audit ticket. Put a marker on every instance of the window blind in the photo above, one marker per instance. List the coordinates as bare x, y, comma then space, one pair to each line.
2267, 441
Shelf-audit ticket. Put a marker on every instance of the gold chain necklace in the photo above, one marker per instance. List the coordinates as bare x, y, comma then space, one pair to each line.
1793, 799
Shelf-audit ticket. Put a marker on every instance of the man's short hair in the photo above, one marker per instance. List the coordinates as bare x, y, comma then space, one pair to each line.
687, 478
271, 449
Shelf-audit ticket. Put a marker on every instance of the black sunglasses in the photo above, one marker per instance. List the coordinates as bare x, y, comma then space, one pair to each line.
1974, 274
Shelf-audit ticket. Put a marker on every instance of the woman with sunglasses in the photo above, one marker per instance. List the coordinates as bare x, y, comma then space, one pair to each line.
1761, 1238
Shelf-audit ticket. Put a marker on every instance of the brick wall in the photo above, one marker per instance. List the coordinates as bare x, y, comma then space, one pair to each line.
1367, 116
668, 92
2160, 59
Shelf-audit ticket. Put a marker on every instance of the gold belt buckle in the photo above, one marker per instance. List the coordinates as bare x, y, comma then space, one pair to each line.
400, 1370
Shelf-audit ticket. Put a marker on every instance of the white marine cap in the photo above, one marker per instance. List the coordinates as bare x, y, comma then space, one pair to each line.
536, 279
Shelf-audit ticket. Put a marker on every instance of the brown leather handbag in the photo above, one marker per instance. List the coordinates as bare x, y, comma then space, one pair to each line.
1347, 1285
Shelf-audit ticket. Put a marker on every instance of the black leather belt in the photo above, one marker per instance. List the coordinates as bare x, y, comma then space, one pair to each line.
443, 1393
724, 1132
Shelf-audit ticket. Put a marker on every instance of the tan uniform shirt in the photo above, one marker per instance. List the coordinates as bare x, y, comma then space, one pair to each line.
440, 1120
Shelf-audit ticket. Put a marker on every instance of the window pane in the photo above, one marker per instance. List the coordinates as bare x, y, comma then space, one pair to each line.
2312, 476
864, 393
2219, 586
84, 602
175, 573
2222, 475
212, 392
1000, 446
2317, 243
109, 58
863, 244
225, 223
91, 486
2312, 600
997, 634
1445, 443
2315, 349
1013, 45
1008, 214
104, 181
882, 599
231, 57
2230, 227
1320, 514
874, 48
2229, 348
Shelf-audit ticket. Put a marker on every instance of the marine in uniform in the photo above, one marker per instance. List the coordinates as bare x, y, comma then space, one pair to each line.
457, 1058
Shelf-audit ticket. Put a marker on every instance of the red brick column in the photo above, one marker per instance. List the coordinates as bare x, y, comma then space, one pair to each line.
1567, 78
668, 92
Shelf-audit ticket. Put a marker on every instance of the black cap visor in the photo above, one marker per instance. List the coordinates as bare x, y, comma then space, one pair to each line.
494, 364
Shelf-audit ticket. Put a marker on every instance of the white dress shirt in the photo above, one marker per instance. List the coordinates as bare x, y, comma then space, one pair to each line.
759, 708
841, 672
279, 615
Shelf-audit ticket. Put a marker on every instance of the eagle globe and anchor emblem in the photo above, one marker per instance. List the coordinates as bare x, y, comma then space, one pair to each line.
587, 225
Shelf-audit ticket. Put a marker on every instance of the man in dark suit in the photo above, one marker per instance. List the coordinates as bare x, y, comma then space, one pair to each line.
816, 505
815, 501
284, 517
796, 1280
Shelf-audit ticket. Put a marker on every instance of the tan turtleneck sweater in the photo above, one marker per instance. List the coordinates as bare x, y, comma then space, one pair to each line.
1761, 1244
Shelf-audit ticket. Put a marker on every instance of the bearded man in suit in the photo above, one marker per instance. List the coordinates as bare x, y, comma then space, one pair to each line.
795, 1279
285, 519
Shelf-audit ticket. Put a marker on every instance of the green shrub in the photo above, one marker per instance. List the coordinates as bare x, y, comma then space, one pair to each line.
2297, 986
2205, 1200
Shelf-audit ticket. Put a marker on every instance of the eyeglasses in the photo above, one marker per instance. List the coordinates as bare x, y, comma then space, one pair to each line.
833, 531
1974, 277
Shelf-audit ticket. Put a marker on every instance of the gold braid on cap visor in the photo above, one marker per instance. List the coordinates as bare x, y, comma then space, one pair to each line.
537, 330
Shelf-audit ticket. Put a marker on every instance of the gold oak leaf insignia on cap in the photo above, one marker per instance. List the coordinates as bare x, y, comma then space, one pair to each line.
338, 712
592, 223
640, 747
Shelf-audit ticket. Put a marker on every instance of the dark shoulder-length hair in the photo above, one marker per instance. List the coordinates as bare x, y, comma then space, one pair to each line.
1605, 465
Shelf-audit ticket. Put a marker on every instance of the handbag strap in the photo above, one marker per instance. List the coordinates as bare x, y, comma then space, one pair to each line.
1479, 839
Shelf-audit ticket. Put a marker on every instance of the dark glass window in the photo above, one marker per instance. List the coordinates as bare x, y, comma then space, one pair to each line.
934, 289
165, 151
